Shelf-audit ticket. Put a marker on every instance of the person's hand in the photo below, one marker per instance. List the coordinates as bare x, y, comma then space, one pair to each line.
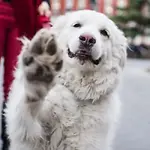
44, 9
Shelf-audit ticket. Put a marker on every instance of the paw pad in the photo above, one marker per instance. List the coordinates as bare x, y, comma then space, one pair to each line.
42, 60
28, 60
58, 65
37, 49
51, 48
41, 74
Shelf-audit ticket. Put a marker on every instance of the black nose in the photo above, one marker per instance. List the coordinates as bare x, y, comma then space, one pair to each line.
87, 40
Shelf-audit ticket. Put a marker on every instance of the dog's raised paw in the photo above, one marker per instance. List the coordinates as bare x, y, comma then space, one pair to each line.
42, 59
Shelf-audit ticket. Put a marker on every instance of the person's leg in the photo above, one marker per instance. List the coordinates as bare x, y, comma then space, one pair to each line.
5, 140
13, 49
2, 48
3, 41
2, 35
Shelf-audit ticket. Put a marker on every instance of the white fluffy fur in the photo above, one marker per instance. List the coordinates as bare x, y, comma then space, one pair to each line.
80, 111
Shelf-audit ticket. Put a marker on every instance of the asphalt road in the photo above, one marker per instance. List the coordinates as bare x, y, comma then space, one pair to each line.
134, 129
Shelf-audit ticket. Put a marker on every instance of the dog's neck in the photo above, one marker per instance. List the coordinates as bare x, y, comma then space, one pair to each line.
91, 86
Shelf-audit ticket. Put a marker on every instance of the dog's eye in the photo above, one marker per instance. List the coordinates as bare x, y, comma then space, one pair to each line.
104, 32
77, 25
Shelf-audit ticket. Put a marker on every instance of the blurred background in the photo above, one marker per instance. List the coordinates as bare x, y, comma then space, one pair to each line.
133, 17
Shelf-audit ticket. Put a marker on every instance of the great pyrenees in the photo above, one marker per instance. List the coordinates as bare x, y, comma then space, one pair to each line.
64, 95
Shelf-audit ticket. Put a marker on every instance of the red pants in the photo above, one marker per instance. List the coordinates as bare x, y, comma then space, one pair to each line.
9, 46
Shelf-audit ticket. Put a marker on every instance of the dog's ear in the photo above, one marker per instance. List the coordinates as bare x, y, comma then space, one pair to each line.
119, 51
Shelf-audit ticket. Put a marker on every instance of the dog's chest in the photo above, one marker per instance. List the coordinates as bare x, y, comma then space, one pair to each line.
83, 87
93, 114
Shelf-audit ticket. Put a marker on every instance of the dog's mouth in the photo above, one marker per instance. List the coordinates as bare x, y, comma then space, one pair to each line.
83, 56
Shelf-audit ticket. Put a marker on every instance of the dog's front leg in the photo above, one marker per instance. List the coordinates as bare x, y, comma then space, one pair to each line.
62, 110
38, 65
40, 61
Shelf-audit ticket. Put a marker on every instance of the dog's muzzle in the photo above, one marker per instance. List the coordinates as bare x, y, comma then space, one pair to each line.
84, 52
83, 56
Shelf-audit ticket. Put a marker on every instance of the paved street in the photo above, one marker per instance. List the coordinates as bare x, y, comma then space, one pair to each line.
134, 131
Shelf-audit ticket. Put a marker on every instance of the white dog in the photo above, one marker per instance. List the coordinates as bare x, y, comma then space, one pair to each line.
74, 107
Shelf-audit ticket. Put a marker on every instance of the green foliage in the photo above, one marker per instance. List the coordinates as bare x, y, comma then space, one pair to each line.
132, 13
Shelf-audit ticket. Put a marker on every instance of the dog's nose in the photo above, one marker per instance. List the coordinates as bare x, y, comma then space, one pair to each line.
87, 39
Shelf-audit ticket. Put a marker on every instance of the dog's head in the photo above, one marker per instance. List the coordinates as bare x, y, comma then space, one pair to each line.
90, 39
